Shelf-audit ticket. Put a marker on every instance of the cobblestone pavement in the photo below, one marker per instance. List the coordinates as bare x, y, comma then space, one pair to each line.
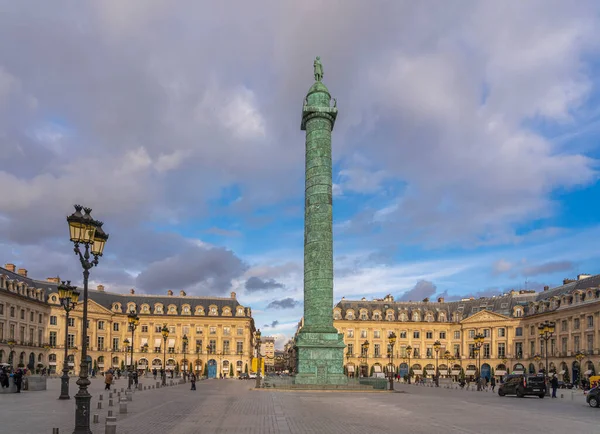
230, 406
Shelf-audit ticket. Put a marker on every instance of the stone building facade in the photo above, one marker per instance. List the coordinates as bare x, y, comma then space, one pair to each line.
509, 323
219, 329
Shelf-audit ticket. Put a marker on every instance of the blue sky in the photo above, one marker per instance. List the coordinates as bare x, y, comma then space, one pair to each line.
466, 154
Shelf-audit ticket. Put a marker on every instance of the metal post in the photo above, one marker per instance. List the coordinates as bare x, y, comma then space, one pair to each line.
64, 380
130, 382
83, 398
408, 368
164, 379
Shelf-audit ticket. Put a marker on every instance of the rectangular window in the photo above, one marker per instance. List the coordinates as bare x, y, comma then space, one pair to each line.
416, 352
363, 333
519, 350
71, 322
457, 334
100, 325
442, 335
590, 344
563, 326
471, 351
11, 331
563, 346
576, 324
212, 330
519, 331
428, 335
52, 342
144, 329
199, 348
457, 350
40, 336
226, 331
377, 349
416, 335
115, 344
172, 329
576, 343
198, 330
552, 346
53, 320
31, 316
486, 333
225, 347
429, 352
157, 329
116, 327
377, 334
22, 314
12, 312
501, 332
350, 333
31, 334
590, 322
403, 334
363, 351
22, 333
471, 334
240, 331
1, 309
186, 330
100, 343
486, 351
531, 348
213, 346
70, 341
239, 348
532, 330
40, 317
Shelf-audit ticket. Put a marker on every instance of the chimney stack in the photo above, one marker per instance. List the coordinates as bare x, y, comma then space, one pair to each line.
10, 267
100, 288
132, 291
440, 299
546, 288
182, 293
22, 272
53, 279
233, 295
169, 292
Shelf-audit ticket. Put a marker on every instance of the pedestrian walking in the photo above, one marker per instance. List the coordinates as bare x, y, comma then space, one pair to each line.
154, 373
554, 384
193, 381
108, 378
493, 383
18, 379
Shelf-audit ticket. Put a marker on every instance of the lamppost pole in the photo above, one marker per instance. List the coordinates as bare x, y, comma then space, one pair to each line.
579, 356
479, 338
133, 320
365, 353
436, 347
409, 352
83, 229
546, 330
185, 342
68, 296
165, 334
257, 336
392, 341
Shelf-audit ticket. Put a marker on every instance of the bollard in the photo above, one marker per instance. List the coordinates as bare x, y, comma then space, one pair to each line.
111, 425
144, 387
99, 406
123, 407
55, 431
110, 413
110, 394
122, 389
129, 397
96, 418
100, 399
110, 402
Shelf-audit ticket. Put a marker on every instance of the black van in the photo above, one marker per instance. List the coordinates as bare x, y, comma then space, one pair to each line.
523, 385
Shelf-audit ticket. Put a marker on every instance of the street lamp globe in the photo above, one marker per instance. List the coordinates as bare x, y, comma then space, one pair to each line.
409, 350
165, 332
100, 238
436, 346
392, 338
82, 227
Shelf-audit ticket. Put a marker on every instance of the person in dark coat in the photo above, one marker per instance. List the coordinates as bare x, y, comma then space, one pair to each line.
554, 384
193, 381
493, 383
18, 379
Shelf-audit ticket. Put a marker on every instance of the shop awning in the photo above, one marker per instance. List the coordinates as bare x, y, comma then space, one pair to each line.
376, 368
443, 372
470, 372
518, 372
418, 371
456, 372
101, 364
588, 372
52, 363
351, 368
561, 372
157, 342
171, 343
430, 371
500, 372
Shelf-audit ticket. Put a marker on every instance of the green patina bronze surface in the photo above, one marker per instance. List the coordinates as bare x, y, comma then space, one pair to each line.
320, 346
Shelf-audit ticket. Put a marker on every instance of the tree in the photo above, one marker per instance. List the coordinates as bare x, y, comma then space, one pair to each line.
566, 377
231, 370
190, 367
462, 374
492, 372
95, 366
246, 368
372, 371
205, 372
122, 365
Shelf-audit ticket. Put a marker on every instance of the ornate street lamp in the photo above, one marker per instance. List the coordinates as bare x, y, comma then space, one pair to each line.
257, 335
409, 352
449, 359
579, 356
165, 335
84, 230
133, 321
68, 296
185, 343
478, 338
436, 346
392, 342
365, 354
546, 331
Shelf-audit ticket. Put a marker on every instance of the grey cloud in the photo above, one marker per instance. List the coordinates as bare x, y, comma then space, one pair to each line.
255, 284
285, 303
202, 270
421, 290
273, 324
548, 267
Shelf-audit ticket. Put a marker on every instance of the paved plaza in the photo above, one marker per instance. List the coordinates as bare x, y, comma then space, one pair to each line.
231, 406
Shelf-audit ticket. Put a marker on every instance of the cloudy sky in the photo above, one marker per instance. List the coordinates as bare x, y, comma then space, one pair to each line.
465, 153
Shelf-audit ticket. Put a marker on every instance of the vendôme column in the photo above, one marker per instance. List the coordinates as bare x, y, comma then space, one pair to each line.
320, 346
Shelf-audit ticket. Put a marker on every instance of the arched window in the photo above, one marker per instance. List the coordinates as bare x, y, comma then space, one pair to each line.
403, 316
416, 316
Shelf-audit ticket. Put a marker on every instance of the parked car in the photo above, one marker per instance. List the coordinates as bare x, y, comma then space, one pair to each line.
243, 376
523, 385
593, 397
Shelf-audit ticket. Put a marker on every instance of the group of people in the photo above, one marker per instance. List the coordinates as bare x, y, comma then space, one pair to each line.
109, 376
17, 376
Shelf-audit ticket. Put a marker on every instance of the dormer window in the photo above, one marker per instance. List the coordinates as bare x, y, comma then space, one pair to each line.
349, 315
390, 316
416, 317
364, 316
240, 311
377, 316
213, 310
403, 317
186, 309
337, 315
145, 309
158, 308
429, 317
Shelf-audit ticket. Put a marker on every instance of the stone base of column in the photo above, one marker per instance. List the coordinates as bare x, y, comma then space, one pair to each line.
320, 359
